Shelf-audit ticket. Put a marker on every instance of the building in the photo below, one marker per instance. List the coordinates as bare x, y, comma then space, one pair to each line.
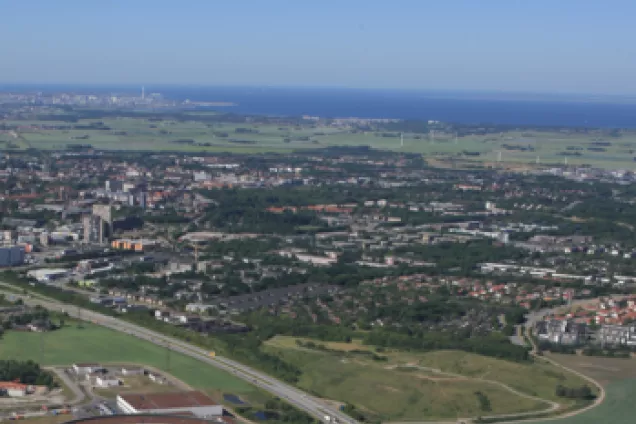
98, 226
106, 381
565, 332
617, 335
45, 275
86, 368
151, 419
114, 185
128, 371
11, 256
192, 402
13, 389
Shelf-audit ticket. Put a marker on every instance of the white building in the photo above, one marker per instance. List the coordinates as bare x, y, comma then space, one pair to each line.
14, 389
197, 403
106, 381
131, 371
48, 274
86, 368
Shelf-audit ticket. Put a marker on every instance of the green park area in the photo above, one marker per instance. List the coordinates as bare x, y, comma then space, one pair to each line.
192, 132
394, 385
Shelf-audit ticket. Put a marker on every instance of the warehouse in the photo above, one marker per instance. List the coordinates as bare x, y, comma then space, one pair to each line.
193, 402
44, 275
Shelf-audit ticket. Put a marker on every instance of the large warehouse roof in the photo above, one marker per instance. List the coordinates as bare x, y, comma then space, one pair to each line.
146, 402
149, 419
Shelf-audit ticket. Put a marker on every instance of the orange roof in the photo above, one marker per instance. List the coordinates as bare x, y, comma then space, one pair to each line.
12, 385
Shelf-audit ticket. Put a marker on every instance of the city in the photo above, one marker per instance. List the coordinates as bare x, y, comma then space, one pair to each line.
349, 245
307, 213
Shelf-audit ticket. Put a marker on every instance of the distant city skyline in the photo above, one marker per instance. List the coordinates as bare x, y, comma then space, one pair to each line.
543, 46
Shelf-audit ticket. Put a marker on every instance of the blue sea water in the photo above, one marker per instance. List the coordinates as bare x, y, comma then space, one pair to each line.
468, 108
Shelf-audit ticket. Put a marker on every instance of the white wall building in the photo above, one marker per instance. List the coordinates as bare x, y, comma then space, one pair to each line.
86, 368
132, 371
106, 381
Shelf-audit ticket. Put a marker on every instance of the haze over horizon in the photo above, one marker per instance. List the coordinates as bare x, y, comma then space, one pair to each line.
504, 46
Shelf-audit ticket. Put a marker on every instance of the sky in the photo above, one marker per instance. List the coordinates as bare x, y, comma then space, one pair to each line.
543, 46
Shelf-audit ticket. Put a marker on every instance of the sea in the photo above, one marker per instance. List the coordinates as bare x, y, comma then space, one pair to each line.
549, 110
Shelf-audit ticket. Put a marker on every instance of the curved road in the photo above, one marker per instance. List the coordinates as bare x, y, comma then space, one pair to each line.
301, 400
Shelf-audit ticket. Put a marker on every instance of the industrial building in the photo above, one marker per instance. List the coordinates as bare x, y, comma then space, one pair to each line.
45, 275
11, 256
193, 402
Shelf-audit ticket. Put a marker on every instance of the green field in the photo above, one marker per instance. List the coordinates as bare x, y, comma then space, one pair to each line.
127, 133
93, 343
416, 386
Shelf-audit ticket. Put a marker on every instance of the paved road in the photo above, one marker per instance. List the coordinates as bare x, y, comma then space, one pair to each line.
77, 391
291, 394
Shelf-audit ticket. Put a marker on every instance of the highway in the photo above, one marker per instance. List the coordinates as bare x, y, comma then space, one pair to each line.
301, 400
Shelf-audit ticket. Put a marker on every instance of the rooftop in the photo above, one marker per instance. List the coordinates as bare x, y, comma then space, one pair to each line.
147, 419
143, 402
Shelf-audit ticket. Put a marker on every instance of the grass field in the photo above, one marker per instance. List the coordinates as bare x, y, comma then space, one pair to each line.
440, 384
517, 147
97, 344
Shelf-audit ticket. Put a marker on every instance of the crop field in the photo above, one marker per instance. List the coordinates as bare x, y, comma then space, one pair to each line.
97, 344
447, 381
517, 148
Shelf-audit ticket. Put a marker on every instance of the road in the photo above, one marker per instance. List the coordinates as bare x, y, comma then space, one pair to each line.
73, 386
301, 400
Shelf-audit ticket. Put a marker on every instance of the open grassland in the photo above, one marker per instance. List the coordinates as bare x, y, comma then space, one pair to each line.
97, 344
518, 148
400, 394
434, 385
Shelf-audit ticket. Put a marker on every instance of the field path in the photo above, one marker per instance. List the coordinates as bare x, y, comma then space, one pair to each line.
553, 406
599, 399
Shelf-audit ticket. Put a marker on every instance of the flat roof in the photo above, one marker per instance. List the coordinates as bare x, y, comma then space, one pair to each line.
190, 399
148, 419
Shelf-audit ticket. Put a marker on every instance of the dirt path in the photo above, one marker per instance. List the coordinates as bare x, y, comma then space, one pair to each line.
599, 399
553, 406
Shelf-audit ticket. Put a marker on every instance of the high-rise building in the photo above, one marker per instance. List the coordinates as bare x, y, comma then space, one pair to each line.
143, 199
98, 226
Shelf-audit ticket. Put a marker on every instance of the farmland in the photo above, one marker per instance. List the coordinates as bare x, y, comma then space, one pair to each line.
192, 133
435, 385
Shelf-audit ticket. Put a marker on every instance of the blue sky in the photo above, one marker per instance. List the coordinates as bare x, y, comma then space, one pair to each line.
584, 46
